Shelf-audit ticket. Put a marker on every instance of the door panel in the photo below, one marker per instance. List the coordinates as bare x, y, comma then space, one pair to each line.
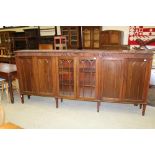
87, 78
26, 74
44, 74
135, 79
66, 77
112, 72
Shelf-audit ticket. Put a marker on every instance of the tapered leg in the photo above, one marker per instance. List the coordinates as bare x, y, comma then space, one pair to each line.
140, 106
56, 99
98, 106
22, 98
28, 96
61, 99
143, 109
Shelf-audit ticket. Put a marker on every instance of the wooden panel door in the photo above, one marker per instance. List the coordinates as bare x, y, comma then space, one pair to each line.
86, 78
66, 76
45, 75
104, 38
112, 74
115, 37
26, 74
137, 77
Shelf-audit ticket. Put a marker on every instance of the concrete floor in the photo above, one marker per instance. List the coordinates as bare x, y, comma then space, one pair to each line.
41, 113
151, 97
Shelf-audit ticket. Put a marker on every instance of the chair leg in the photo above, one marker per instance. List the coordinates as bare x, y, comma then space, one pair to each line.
7, 93
2, 91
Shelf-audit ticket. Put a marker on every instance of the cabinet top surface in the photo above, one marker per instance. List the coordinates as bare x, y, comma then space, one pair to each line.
87, 51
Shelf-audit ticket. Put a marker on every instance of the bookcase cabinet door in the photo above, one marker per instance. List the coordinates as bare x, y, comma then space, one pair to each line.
26, 74
137, 77
66, 75
45, 75
112, 74
86, 78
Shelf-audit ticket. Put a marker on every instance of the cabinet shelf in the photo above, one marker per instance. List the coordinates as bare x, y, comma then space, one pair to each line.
88, 70
65, 73
88, 86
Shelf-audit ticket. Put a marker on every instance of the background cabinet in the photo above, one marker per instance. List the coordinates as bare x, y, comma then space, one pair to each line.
91, 37
32, 36
112, 39
73, 36
7, 42
20, 41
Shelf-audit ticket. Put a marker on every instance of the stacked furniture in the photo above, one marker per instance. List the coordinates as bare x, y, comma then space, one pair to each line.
112, 40
73, 36
91, 37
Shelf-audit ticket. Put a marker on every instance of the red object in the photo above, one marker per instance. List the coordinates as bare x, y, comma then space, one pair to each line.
141, 32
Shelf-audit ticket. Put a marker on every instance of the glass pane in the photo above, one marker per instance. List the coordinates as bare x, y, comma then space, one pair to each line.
96, 44
74, 33
73, 43
87, 78
87, 44
73, 37
64, 32
66, 77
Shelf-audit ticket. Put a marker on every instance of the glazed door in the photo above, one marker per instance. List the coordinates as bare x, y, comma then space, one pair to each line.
66, 76
96, 38
112, 74
86, 78
137, 78
74, 37
26, 74
87, 39
45, 75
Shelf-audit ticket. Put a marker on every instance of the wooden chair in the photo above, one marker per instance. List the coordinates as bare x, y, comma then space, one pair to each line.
1, 115
4, 87
60, 43
2, 51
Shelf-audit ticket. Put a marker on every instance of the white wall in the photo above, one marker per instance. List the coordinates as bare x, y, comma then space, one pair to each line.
125, 29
